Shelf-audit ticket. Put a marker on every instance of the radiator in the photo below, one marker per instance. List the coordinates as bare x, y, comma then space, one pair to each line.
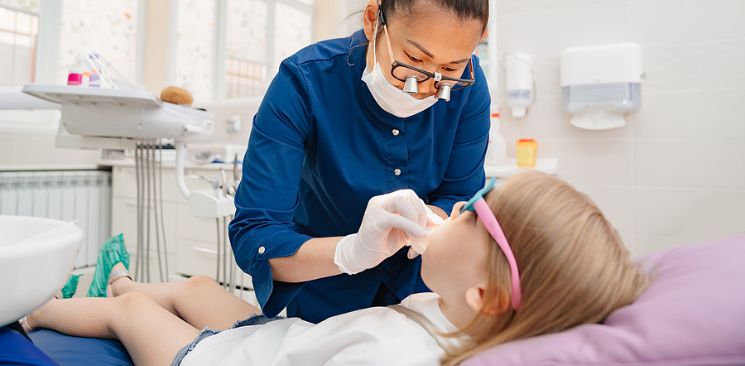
81, 196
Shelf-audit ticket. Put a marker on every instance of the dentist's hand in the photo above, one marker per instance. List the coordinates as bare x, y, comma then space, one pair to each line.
389, 222
418, 246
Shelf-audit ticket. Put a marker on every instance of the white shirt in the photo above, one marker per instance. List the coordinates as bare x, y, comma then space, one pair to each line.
373, 336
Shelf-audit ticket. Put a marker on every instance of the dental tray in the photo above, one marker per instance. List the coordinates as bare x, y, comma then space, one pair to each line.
123, 113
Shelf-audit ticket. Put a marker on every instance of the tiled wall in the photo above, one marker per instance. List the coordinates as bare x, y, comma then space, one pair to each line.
676, 173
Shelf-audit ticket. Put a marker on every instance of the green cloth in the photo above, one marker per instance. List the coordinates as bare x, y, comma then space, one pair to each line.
71, 286
112, 252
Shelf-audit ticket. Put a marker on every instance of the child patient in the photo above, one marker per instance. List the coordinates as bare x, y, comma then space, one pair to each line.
533, 256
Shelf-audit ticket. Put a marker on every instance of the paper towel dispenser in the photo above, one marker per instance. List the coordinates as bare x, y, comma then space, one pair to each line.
601, 83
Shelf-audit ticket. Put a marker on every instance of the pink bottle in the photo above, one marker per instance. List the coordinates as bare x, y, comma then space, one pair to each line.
77, 71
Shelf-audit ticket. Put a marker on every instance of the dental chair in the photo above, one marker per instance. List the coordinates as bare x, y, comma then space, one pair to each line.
693, 313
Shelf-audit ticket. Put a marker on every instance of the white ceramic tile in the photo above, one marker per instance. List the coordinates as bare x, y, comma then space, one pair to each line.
708, 165
662, 21
698, 116
547, 28
644, 245
547, 118
591, 162
693, 66
546, 72
690, 215
648, 244
520, 6
616, 204
689, 136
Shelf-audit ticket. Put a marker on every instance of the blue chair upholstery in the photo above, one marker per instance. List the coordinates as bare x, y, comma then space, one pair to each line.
17, 350
68, 350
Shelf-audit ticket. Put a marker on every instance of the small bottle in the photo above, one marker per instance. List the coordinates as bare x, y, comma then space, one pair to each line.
496, 150
94, 80
526, 151
76, 75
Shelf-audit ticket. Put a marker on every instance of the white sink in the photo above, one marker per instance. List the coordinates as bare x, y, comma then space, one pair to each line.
36, 257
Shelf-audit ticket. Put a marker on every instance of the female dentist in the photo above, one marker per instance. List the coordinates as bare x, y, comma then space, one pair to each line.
352, 138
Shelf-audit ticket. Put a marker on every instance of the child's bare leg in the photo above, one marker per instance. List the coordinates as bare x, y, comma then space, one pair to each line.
151, 334
200, 301
162, 293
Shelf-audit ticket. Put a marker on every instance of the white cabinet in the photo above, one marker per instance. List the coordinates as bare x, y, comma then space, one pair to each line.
191, 241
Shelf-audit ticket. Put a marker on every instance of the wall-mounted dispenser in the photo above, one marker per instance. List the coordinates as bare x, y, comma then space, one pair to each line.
601, 83
519, 83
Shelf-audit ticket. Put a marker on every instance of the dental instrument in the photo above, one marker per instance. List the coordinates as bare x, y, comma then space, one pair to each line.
223, 192
137, 120
149, 177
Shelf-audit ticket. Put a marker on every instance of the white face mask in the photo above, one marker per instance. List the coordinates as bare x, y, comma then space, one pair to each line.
392, 99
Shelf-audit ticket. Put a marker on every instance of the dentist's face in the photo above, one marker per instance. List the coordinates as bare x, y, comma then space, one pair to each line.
429, 38
455, 259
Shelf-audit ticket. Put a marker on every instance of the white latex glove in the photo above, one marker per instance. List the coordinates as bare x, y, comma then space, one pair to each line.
389, 222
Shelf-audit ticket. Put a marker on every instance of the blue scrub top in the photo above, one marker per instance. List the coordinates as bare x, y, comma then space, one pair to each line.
320, 148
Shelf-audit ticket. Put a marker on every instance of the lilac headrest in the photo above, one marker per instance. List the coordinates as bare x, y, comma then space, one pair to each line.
693, 313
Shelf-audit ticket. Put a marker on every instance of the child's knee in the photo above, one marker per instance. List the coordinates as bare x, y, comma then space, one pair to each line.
197, 282
134, 301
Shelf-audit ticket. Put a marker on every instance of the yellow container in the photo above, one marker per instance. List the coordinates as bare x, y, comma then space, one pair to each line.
526, 152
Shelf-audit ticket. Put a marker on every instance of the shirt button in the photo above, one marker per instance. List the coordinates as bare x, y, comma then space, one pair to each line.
262, 250
395, 132
397, 172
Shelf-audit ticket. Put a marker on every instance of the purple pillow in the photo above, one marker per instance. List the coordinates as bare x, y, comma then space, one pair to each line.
693, 313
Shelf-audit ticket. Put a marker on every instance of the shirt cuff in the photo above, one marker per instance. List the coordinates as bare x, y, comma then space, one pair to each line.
273, 296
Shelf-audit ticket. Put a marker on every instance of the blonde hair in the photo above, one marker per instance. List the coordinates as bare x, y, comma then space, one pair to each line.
573, 265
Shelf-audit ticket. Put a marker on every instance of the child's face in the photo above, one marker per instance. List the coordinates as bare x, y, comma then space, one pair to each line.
455, 259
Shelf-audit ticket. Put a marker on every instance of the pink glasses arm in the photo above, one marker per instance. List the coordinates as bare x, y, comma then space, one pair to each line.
492, 226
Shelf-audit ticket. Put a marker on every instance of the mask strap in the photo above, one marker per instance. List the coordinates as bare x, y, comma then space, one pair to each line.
381, 20
374, 43
388, 42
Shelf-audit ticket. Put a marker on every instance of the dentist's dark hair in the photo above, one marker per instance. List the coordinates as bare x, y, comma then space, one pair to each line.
463, 9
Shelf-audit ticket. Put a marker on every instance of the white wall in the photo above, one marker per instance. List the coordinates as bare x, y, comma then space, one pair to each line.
336, 18
37, 151
676, 173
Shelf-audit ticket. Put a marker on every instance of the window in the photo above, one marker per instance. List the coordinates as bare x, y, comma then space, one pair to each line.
110, 31
292, 25
39, 40
19, 27
245, 48
195, 46
232, 48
